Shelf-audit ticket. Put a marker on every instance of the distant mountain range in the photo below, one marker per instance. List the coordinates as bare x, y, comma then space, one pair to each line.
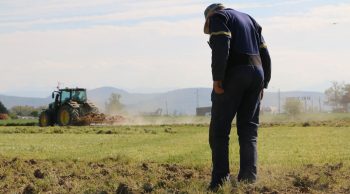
182, 101
10, 101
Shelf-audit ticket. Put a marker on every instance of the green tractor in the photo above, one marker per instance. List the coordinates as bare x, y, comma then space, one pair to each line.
70, 107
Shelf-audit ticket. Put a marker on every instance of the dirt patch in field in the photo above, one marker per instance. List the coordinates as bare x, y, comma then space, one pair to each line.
38, 174
316, 179
29, 189
124, 189
114, 175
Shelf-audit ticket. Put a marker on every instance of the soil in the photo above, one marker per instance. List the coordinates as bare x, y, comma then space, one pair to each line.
115, 176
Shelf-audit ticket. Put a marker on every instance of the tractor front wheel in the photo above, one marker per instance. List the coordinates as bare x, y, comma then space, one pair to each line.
45, 119
67, 116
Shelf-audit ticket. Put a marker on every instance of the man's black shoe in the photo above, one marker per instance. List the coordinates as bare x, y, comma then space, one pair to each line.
213, 187
247, 180
215, 184
247, 177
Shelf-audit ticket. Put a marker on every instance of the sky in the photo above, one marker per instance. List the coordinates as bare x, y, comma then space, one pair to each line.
159, 45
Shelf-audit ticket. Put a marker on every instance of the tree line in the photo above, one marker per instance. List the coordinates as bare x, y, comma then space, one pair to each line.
21, 111
338, 96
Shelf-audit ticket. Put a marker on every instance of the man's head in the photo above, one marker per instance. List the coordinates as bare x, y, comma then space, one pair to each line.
209, 11
212, 8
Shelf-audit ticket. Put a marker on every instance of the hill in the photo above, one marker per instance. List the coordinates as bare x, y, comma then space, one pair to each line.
10, 101
181, 101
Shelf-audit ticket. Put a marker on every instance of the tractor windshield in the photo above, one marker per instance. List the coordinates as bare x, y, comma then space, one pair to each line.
65, 95
79, 96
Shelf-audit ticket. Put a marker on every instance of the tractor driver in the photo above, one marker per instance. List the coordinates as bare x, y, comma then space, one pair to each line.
76, 96
57, 100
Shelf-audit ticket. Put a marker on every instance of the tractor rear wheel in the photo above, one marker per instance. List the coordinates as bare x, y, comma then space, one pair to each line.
45, 119
67, 116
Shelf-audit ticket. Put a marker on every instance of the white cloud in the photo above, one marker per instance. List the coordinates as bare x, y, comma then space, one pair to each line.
117, 16
306, 49
109, 55
132, 11
301, 69
315, 20
41, 7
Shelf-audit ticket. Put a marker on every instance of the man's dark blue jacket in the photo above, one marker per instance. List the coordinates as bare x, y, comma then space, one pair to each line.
236, 39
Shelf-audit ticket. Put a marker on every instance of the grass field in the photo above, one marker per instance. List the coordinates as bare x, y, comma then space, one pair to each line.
161, 120
19, 122
167, 159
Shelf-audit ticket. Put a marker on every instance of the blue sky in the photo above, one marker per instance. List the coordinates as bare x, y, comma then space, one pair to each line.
158, 45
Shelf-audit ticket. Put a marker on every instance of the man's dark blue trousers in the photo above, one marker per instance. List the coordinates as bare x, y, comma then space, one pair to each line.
243, 85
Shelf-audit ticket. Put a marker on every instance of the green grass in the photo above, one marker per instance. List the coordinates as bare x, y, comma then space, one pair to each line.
185, 145
18, 122
170, 120
305, 117
291, 159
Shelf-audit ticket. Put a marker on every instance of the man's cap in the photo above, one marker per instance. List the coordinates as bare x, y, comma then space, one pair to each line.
212, 7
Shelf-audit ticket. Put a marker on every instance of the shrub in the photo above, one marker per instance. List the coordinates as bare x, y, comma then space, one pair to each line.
4, 117
3, 109
293, 106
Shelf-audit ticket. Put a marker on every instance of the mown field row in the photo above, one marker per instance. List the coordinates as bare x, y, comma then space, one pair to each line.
268, 120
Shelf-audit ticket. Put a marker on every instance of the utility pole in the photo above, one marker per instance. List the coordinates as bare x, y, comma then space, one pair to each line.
336, 99
279, 101
319, 104
166, 106
197, 98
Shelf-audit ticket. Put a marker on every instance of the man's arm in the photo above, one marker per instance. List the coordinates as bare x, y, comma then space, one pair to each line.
220, 37
266, 63
264, 53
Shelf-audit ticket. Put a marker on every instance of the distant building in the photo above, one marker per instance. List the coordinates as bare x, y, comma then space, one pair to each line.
269, 109
27, 117
203, 111
158, 112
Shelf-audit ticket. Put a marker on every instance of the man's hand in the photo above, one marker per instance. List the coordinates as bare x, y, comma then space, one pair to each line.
217, 86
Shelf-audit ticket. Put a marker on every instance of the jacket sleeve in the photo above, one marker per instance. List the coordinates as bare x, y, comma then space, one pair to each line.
220, 36
266, 63
264, 54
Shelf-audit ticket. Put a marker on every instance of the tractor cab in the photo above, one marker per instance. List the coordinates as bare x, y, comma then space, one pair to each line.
76, 94
64, 95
